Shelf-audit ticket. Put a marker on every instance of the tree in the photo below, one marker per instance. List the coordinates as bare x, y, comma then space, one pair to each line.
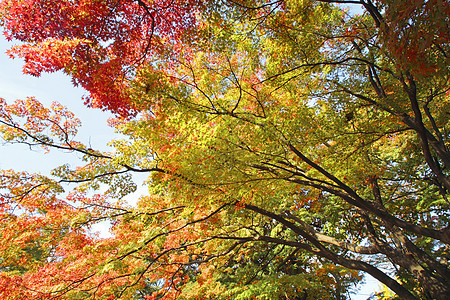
289, 144
99, 44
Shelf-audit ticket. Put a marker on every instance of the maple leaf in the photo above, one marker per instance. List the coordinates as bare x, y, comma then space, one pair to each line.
285, 144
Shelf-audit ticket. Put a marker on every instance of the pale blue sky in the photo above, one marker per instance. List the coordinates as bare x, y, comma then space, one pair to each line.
47, 88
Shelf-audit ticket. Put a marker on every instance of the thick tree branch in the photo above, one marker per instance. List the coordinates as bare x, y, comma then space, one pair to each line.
324, 252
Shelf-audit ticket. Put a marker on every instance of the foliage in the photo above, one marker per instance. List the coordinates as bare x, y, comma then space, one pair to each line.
290, 146
98, 43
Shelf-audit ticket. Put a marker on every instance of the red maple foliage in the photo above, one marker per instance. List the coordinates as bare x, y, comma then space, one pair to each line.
100, 44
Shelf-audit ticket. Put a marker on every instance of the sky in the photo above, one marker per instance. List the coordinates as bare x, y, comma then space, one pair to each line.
47, 88
94, 132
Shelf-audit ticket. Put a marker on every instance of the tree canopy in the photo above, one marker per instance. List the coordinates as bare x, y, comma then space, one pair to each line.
291, 146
